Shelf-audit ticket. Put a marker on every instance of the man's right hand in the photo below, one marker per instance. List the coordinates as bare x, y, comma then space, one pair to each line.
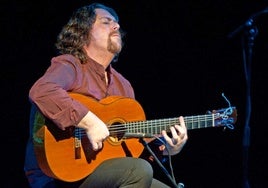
96, 130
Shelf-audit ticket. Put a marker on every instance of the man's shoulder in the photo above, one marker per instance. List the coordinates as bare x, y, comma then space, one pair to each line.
66, 59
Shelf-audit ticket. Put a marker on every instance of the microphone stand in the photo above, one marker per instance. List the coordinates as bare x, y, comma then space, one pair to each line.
145, 144
250, 32
247, 59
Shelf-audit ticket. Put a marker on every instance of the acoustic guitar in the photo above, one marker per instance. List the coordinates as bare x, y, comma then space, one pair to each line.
67, 155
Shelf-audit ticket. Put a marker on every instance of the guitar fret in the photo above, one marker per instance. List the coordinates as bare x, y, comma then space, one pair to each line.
153, 127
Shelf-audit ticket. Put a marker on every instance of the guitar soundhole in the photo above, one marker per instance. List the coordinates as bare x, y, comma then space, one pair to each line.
117, 132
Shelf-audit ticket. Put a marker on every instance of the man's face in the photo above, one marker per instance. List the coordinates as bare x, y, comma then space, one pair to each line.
105, 33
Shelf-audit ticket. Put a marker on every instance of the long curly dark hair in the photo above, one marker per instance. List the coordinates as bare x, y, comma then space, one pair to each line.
75, 34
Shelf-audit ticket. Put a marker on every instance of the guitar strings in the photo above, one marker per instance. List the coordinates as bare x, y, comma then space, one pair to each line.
155, 126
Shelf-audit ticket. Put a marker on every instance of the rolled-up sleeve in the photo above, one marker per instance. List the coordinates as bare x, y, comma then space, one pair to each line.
50, 93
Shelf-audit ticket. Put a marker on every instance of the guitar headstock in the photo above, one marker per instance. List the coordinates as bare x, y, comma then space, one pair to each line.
225, 117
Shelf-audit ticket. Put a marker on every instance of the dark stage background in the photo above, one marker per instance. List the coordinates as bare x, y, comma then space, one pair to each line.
179, 59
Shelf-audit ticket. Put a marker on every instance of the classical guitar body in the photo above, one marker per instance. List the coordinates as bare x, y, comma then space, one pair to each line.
66, 155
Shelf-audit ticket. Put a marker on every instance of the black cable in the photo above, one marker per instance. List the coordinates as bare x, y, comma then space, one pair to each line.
145, 144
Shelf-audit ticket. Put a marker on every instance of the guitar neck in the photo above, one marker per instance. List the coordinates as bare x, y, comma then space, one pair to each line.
153, 127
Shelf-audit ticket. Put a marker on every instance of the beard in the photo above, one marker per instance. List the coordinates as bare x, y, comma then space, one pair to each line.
114, 46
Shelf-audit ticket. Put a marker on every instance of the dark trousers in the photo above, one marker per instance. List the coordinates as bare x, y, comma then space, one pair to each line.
124, 173
117, 173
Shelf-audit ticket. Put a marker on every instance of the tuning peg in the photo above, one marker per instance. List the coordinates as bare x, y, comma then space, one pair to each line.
208, 112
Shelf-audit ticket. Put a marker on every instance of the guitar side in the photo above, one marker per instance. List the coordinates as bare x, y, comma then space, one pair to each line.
57, 152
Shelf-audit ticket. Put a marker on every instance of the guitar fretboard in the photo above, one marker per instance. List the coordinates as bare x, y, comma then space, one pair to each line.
153, 127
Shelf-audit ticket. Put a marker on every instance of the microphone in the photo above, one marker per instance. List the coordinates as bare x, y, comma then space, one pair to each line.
259, 13
138, 135
249, 23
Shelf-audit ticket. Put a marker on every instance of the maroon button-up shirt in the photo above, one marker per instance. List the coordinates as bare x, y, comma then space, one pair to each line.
67, 74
